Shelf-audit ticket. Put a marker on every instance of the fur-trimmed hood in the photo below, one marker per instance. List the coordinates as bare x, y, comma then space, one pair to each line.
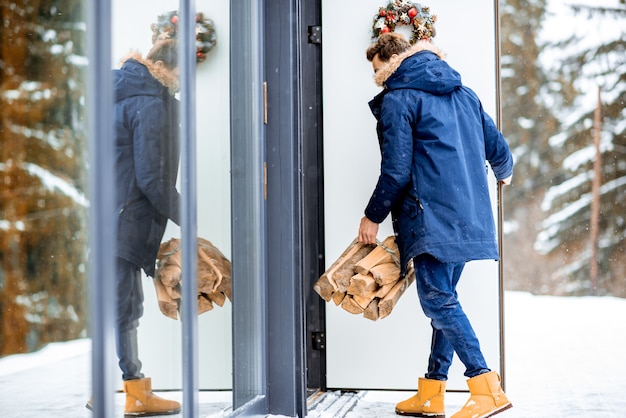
422, 67
161, 74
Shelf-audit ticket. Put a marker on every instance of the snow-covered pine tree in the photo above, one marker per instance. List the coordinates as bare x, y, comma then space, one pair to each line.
527, 123
591, 58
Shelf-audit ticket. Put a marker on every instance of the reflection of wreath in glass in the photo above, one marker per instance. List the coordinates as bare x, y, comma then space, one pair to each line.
403, 12
167, 27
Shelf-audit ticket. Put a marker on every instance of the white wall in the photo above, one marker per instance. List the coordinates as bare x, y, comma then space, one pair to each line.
393, 352
160, 341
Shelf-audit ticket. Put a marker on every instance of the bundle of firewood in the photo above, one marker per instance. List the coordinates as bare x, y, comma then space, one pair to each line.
365, 279
214, 277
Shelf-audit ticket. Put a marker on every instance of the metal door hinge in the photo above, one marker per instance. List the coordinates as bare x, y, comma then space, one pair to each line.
264, 180
265, 102
315, 34
319, 341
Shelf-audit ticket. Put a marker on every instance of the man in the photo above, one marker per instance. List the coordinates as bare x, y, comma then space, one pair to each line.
435, 139
146, 166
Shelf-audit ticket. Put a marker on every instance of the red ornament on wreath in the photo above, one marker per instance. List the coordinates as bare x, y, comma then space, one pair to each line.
167, 28
417, 18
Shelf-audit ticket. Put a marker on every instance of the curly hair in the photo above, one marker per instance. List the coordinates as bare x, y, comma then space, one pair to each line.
387, 45
165, 51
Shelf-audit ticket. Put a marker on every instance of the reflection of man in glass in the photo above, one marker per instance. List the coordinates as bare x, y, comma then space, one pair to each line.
435, 139
146, 166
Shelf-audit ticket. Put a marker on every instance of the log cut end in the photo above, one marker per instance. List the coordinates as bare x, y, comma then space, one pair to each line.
365, 279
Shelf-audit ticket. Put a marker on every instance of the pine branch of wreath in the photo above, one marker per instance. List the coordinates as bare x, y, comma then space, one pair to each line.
166, 27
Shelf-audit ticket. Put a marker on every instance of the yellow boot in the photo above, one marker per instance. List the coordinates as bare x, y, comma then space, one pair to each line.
486, 397
141, 401
428, 402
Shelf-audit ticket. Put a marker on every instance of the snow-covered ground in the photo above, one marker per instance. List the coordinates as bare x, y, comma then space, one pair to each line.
565, 357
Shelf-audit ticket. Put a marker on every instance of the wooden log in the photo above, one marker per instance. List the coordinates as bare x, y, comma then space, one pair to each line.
338, 297
351, 306
371, 312
168, 249
326, 285
345, 272
169, 274
385, 273
363, 301
362, 285
384, 253
214, 276
173, 291
167, 305
204, 258
222, 263
207, 282
386, 305
226, 287
217, 297
383, 290
204, 304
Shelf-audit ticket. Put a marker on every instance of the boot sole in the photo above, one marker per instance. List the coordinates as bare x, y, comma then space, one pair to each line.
497, 411
420, 414
151, 414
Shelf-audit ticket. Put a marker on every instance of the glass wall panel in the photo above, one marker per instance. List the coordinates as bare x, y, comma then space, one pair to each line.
138, 27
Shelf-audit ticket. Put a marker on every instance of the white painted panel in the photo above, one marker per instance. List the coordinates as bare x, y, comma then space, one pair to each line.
393, 352
160, 340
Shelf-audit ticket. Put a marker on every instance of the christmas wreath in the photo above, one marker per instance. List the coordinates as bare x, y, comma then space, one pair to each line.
402, 12
166, 27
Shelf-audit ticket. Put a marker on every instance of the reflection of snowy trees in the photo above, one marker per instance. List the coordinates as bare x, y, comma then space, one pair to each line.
555, 174
42, 173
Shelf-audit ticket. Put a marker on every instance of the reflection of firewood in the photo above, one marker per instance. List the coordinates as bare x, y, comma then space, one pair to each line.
225, 287
167, 305
365, 279
214, 277
204, 304
216, 297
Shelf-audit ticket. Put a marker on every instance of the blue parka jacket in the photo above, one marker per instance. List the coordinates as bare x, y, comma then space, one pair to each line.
146, 159
435, 140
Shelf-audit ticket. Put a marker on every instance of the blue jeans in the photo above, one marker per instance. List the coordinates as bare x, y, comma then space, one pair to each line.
452, 332
129, 310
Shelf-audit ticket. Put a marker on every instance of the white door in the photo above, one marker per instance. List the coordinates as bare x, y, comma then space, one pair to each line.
393, 352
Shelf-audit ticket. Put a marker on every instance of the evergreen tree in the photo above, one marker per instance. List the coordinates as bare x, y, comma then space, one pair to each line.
589, 61
527, 123
42, 173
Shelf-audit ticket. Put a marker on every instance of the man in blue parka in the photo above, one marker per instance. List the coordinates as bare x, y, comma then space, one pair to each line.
146, 167
436, 140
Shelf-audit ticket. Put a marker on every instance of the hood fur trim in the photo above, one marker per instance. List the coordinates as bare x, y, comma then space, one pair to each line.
162, 75
392, 65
